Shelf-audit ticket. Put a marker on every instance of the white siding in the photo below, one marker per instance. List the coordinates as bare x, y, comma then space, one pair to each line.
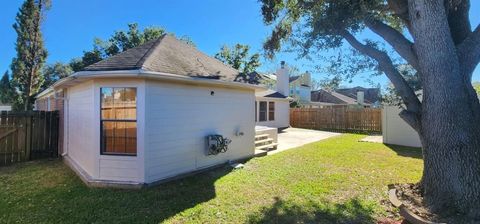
80, 128
282, 113
83, 132
396, 131
179, 117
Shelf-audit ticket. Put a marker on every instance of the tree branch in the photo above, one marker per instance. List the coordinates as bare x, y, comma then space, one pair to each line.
400, 8
401, 86
412, 119
469, 52
402, 45
458, 20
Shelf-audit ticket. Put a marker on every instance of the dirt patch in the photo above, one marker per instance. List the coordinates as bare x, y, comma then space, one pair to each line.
412, 198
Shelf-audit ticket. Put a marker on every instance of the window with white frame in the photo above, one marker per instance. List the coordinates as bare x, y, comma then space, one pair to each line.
118, 121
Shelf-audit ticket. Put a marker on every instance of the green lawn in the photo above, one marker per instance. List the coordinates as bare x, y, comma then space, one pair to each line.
339, 180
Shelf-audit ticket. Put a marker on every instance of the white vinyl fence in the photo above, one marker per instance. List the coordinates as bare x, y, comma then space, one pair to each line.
396, 131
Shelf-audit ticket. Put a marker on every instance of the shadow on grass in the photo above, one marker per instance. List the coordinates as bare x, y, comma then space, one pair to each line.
406, 151
352, 211
60, 197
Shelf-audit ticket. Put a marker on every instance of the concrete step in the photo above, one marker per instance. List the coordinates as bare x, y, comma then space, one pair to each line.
260, 153
266, 140
266, 147
262, 136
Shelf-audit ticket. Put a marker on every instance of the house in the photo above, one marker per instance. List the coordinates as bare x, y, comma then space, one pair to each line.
272, 107
300, 87
350, 97
152, 113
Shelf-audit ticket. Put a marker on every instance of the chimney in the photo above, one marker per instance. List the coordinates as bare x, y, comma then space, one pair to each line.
283, 84
360, 97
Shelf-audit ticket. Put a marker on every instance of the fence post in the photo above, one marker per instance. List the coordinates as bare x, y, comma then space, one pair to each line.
28, 137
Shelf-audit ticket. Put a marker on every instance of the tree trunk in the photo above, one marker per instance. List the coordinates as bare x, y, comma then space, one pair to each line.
450, 117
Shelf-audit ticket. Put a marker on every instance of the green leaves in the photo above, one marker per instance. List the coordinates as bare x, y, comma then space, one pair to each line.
55, 72
31, 54
120, 41
239, 58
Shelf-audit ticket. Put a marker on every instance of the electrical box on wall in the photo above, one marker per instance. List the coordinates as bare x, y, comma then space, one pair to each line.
217, 144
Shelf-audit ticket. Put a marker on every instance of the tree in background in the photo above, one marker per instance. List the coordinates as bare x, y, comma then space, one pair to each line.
119, 42
55, 72
7, 92
476, 85
31, 54
239, 58
326, 84
444, 50
390, 97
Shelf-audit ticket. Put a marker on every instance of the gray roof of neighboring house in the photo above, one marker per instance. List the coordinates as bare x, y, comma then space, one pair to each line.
331, 97
371, 95
293, 78
167, 55
271, 94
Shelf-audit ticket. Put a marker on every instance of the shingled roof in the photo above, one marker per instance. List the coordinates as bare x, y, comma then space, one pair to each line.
167, 55
271, 94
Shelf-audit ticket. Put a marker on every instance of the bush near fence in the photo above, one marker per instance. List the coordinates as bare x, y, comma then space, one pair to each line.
339, 119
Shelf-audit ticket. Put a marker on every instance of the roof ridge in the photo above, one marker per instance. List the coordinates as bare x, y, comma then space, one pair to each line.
143, 59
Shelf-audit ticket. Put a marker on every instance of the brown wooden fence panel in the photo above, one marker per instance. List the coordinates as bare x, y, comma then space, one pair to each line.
343, 119
28, 135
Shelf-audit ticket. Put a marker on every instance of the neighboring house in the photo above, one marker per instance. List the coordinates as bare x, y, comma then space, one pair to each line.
144, 115
300, 87
351, 97
272, 107
371, 96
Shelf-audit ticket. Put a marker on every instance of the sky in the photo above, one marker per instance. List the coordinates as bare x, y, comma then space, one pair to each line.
71, 26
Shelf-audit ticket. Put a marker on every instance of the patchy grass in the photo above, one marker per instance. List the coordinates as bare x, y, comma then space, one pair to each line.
339, 180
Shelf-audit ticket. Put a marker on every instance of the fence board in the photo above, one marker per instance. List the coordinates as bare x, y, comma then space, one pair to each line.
28, 135
342, 119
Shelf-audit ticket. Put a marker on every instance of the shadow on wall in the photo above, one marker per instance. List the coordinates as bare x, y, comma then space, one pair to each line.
406, 151
352, 211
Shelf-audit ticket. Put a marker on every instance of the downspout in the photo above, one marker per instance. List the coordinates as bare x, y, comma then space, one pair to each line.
65, 125
65, 130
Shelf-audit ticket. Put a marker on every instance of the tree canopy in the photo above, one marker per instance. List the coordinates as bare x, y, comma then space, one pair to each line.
476, 85
7, 91
239, 57
120, 41
55, 72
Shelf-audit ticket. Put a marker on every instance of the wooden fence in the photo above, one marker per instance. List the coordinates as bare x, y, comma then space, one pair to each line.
28, 135
343, 119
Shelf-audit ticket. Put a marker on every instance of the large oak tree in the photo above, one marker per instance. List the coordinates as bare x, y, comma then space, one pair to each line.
436, 38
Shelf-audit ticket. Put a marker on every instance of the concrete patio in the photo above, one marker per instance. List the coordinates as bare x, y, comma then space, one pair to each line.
294, 137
